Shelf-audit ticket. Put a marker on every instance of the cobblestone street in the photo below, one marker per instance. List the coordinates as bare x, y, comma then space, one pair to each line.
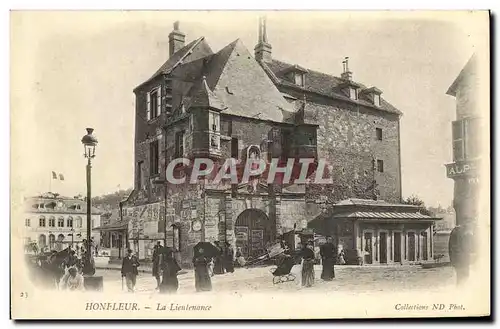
356, 279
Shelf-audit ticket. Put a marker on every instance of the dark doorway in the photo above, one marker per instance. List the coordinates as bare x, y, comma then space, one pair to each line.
411, 246
368, 248
383, 248
397, 247
253, 232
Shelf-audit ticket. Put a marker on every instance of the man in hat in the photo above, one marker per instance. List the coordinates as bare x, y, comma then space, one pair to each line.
156, 264
129, 270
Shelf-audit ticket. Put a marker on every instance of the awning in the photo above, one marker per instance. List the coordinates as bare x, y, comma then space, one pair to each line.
382, 215
113, 227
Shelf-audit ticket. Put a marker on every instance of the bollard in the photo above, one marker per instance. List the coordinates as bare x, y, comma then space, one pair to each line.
93, 283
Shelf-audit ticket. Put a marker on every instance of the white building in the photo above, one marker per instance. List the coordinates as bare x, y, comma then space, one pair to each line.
55, 222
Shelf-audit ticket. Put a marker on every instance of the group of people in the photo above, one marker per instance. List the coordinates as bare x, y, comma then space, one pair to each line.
304, 259
165, 267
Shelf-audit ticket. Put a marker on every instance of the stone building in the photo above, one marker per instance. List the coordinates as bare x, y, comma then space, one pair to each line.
230, 104
55, 222
466, 135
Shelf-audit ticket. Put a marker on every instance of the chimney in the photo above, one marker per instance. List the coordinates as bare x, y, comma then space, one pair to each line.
263, 48
346, 74
176, 39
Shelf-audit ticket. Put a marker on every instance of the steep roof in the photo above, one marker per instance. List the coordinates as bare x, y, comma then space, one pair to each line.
468, 67
322, 83
236, 84
244, 87
194, 50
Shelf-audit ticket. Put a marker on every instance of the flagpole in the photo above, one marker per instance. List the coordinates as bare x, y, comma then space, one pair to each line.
50, 183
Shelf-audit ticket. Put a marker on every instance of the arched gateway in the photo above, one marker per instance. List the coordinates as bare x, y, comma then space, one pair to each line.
253, 230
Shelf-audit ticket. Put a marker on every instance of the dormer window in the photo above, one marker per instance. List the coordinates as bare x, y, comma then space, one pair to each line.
373, 94
296, 75
299, 79
353, 93
153, 103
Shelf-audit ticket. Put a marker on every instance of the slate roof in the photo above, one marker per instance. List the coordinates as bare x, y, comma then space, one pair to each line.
322, 83
234, 83
384, 215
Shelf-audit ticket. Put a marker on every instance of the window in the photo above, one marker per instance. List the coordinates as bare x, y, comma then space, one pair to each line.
60, 222
92, 223
140, 174
214, 119
41, 221
376, 100
458, 140
52, 221
179, 144
234, 148
78, 207
79, 222
27, 222
69, 222
154, 104
465, 135
191, 127
353, 93
378, 132
380, 165
299, 79
154, 157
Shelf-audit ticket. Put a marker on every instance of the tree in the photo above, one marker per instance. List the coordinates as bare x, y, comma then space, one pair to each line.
416, 201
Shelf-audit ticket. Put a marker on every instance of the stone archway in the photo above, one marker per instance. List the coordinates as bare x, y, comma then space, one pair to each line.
253, 231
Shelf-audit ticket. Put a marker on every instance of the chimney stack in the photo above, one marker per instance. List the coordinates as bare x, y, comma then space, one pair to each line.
346, 74
263, 48
176, 39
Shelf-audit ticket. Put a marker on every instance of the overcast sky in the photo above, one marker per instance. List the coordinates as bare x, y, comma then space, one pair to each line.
73, 70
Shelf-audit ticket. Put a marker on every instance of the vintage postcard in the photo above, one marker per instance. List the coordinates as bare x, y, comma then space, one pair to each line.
250, 165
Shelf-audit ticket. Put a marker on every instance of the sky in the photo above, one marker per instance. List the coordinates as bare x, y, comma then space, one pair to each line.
72, 70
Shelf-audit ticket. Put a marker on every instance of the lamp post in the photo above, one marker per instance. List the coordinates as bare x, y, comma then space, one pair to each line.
89, 143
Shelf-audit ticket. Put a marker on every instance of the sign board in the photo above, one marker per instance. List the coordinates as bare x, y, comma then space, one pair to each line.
461, 168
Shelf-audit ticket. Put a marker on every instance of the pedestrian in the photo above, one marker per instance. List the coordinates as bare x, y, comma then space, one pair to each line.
308, 265
129, 270
240, 259
297, 268
229, 258
202, 281
156, 264
327, 252
72, 280
218, 259
342, 257
169, 268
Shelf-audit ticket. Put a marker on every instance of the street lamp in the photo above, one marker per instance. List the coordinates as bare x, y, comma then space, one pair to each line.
89, 143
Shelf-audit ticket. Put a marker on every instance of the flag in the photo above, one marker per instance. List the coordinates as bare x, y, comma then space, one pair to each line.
57, 176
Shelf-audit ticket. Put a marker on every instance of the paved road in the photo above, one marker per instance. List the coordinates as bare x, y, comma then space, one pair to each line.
356, 279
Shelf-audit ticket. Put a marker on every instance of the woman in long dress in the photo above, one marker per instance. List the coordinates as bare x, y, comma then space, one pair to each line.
218, 261
308, 265
202, 281
229, 258
169, 266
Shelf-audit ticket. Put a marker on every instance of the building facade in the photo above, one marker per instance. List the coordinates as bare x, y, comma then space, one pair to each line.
54, 222
466, 136
230, 104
